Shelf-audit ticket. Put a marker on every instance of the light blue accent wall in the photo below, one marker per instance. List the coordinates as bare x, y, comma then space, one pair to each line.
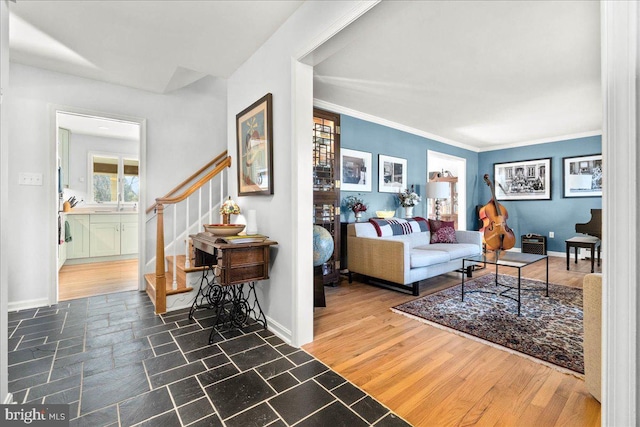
376, 139
527, 216
559, 214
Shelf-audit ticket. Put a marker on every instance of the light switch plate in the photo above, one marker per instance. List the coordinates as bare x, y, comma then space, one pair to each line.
28, 178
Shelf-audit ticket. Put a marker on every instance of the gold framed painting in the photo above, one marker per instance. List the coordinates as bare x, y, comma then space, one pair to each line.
254, 131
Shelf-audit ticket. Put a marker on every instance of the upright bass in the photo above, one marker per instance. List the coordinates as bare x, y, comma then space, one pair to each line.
497, 234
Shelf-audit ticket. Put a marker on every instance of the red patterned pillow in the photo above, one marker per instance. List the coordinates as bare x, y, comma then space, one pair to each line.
442, 231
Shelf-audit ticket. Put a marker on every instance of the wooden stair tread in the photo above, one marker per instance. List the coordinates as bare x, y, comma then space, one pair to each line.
151, 281
180, 260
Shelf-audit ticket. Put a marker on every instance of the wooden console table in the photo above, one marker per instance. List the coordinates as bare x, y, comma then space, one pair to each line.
233, 265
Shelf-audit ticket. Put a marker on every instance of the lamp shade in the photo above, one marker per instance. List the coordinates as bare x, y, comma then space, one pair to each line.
437, 190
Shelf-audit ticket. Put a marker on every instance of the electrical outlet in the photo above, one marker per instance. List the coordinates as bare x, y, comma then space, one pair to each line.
551, 234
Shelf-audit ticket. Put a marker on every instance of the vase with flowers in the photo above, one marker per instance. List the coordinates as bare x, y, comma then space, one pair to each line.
408, 199
356, 205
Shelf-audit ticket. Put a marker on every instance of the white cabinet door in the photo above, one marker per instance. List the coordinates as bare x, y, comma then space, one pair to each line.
78, 247
129, 236
62, 254
105, 235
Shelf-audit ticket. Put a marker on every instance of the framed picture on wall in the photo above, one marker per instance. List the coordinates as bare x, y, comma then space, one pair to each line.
392, 174
254, 132
355, 169
582, 176
523, 180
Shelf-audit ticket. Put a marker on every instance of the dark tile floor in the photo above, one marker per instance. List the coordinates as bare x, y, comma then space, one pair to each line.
118, 364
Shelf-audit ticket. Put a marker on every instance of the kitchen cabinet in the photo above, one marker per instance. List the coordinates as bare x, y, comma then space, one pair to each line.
102, 235
128, 234
62, 254
78, 247
105, 235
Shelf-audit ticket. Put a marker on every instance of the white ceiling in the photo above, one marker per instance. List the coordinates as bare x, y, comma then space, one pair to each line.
478, 74
157, 46
98, 126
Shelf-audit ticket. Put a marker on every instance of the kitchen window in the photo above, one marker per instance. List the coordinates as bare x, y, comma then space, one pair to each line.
114, 178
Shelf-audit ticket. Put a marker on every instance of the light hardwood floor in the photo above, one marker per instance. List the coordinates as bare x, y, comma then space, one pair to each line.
85, 280
435, 378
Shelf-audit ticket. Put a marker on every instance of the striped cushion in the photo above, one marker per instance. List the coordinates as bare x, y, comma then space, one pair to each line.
398, 226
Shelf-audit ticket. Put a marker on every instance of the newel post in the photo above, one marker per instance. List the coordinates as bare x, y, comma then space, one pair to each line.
161, 280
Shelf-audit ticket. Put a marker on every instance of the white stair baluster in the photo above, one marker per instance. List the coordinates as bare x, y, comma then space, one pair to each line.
210, 200
199, 209
221, 192
174, 284
187, 257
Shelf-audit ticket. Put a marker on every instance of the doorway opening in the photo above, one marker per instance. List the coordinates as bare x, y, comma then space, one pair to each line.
453, 170
98, 165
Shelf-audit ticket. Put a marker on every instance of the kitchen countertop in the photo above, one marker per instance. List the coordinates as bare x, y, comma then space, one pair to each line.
100, 211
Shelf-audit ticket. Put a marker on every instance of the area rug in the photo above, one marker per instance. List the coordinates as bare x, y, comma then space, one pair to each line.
550, 329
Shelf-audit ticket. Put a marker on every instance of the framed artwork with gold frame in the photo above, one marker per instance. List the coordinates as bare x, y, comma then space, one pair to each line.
254, 129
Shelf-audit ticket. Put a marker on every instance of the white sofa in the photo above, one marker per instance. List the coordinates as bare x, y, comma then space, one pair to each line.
404, 260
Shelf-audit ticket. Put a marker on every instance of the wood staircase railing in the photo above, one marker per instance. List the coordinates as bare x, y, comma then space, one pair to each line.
158, 288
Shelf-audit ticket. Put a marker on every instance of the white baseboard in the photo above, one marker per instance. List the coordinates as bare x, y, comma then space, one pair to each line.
557, 254
185, 300
26, 304
280, 331
8, 399
549, 253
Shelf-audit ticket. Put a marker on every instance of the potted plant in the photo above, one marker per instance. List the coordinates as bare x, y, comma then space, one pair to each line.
356, 205
409, 199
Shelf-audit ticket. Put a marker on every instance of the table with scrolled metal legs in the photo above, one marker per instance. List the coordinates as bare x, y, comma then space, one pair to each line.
233, 307
228, 283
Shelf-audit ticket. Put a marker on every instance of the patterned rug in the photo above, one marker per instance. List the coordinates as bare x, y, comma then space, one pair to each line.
549, 328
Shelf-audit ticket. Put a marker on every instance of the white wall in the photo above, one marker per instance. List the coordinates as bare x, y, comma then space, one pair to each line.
620, 219
79, 148
4, 210
185, 129
286, 216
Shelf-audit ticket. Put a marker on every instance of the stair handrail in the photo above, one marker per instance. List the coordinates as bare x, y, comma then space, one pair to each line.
198, 184
161, 280
220, 157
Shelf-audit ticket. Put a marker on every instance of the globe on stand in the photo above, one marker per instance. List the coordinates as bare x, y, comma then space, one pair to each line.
322, 245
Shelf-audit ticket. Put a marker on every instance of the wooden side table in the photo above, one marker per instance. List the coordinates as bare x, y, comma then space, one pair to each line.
233, 265
589, 242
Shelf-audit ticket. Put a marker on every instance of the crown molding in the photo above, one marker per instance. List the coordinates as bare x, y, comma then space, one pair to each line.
543, 140
394, 125
388, 123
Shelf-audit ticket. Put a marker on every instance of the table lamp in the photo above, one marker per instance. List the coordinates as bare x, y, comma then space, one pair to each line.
228, 208
437, 190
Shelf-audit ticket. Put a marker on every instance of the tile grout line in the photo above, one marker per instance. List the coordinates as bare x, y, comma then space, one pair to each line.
53, 361
118, 415
350, 406
175, 407
254, 405
81, 389
14, 331
315, 412
153, 350
204, 390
